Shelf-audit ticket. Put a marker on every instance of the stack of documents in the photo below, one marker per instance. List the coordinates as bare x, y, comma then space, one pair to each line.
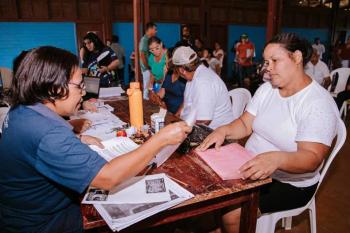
136, 199
104, 123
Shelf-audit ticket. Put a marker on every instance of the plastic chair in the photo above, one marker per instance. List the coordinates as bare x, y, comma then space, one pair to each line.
240, 97
344, 108
266, 222
339, 78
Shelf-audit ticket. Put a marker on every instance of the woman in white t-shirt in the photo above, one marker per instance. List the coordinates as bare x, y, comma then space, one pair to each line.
291, 122
218, 53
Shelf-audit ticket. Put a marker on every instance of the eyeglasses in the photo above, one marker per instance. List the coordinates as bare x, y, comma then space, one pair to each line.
154, 49
80, 86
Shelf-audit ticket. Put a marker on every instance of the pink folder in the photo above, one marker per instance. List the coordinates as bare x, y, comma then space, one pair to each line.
227, 160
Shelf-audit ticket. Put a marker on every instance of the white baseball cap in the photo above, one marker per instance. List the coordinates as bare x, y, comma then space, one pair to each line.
183, 55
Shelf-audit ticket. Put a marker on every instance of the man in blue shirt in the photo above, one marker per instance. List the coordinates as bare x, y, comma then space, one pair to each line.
43, 166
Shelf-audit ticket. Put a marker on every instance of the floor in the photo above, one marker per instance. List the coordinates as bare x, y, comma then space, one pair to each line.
333, 198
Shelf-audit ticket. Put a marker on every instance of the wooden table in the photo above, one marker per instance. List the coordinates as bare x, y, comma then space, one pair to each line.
211, 193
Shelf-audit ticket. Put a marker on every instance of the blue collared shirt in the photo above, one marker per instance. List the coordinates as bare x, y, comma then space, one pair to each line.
43, 169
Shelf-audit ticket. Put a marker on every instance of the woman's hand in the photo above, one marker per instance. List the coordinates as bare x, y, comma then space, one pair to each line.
174, 133
89, 106
90, 140
217, 137
261, 167
80, 125
103, 69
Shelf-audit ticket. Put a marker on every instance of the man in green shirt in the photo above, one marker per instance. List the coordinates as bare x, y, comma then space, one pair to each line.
150, 30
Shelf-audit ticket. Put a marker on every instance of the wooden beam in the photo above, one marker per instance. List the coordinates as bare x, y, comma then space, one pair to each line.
136, 17
274, 10
107, 19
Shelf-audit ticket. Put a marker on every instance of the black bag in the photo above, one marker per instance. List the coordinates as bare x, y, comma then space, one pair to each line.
195, 138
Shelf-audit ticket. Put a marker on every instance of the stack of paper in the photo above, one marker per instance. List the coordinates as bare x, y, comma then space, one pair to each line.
136, 199
110, 92
227, 160
115, 147
104, 123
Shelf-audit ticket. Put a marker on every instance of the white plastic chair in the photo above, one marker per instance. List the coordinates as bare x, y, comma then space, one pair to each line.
266, 222
240, 97
343, 75
344, 108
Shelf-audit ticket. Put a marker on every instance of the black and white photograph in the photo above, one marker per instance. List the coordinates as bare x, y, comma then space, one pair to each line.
97, 195
155, 185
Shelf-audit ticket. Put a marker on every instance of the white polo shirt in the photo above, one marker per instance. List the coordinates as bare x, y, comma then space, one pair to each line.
207, 95
317, 72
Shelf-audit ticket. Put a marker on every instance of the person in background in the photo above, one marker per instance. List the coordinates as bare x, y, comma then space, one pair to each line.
291, 122
206, 94
219, 53
318, 70
199, 46
245, 51
343, 95
120, 52
99, 60
344, 53
213, 62
48, 167
150, 31
157, 62
186, 37
319, 47
171, 94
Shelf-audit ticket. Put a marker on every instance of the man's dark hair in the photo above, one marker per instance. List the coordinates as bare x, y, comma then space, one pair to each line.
149, 25
292, 42
43, 75
115, 39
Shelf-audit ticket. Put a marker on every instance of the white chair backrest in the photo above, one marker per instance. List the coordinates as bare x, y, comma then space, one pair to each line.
7, 76
240, 97
343, 74
341, 137
3, 113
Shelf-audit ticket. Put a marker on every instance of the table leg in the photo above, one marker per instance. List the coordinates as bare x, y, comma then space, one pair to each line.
249, 213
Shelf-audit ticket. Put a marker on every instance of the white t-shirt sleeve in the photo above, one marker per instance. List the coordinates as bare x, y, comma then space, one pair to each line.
317, 123
255, 102
204, 101
326, 72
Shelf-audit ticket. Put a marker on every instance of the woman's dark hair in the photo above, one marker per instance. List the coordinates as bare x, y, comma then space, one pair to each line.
99, 45
43, 75
292, 42
154, 39
17, 61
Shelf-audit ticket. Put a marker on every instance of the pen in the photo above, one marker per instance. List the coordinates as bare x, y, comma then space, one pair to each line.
149, 167
179, 181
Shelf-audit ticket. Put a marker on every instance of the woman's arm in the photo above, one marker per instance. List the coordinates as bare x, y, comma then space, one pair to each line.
239, 128
307, 158
121, 168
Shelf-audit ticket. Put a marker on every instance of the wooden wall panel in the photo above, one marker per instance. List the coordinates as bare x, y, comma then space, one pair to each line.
122, 10
8, 9
63, 9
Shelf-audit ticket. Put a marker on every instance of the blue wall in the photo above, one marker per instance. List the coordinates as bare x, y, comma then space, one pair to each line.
15, 37
256, 35
169, 33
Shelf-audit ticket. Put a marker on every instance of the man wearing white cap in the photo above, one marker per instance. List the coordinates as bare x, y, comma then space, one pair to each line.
205, 94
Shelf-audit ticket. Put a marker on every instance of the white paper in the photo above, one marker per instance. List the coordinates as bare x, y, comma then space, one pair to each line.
104, 123
119, 217
139, 189
115, 147
110, 92
164, 154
